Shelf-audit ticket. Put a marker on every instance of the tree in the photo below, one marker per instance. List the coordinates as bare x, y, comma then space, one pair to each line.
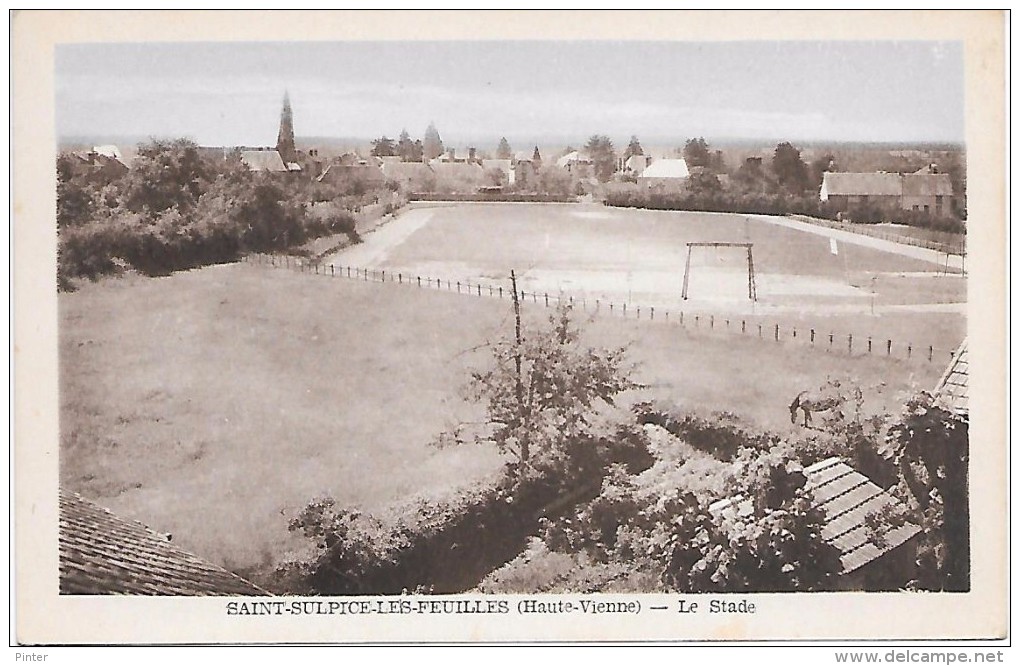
932, 455
433, 146
542, 393
696, 153
76, 201
600, 149
536, 159
818, 168
703, 184
166, 174
383, 147
503, 152
789, 170
633, 148
405, 147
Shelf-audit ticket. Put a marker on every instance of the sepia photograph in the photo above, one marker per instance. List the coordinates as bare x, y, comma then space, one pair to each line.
502, 328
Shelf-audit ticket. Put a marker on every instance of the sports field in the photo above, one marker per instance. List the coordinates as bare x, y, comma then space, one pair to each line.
639, 257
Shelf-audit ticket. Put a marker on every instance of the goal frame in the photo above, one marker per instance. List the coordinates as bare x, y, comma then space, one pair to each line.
752, 287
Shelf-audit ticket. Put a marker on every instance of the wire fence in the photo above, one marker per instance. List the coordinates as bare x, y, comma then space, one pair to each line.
710, 323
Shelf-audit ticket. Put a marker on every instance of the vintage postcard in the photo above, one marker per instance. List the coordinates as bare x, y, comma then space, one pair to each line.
417, 327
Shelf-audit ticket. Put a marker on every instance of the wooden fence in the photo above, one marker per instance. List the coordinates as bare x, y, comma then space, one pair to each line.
819, 339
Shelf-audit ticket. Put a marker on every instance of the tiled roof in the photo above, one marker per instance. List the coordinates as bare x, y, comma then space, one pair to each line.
263, 160
861, 184
673, 168
847, 499
952, 387
101, 553
931, 184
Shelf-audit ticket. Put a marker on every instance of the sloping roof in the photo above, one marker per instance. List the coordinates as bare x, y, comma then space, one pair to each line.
927, 184
523, 155
460, 170
293, 166
848, 498
263, 160
573, 157
637, 162
109, 150
861, 184
952, 387
335, 173
406, 170
101, 553
667, 168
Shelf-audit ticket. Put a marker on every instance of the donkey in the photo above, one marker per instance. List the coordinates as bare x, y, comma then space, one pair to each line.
820, 400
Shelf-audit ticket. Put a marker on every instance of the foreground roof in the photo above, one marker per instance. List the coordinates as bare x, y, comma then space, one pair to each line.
952, 387
101, 553
849, 499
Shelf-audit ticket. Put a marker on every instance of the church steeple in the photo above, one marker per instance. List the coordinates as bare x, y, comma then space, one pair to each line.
285, 140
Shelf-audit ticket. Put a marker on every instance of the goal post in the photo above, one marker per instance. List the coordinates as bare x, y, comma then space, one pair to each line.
752, 287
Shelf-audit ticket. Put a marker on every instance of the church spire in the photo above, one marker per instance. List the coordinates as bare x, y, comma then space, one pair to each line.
285, 140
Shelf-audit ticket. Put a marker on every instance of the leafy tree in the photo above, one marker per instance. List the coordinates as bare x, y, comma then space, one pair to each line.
932, 455
503, 152
816, 172
552, 180
600, 149
696, 153
633, 148
76, 201
703, 183
166, 174
405, 147
543, 394
789, 170
433, 146
383, 147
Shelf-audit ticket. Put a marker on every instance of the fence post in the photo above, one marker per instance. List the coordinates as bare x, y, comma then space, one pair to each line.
777, 332
348, 271
458, 286
888, 347
681, 317
812, 336
830, 340
624, 309
850, 343
652, 313
711, 321
534, 297
501, 292
795, 333
743, 326
546, 299
908, 350
759, 331
419, 281
400, 278
598, 304
931, 352
610, 307
479, 289
727, 324
869, 344
384, 276
639, 312
332, 272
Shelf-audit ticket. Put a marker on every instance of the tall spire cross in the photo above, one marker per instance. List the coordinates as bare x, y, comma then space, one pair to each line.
285, 140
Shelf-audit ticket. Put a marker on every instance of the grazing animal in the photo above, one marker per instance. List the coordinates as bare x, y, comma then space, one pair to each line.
816, 401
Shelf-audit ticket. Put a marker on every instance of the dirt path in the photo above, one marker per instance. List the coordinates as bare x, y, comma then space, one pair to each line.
912, 251
377, 244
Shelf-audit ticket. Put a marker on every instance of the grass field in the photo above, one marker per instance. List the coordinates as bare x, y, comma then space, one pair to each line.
214, 403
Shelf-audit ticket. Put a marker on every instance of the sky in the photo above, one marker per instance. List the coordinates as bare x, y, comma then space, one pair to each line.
231, 93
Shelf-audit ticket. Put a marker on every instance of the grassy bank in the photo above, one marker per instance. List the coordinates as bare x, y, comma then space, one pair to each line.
215, 403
